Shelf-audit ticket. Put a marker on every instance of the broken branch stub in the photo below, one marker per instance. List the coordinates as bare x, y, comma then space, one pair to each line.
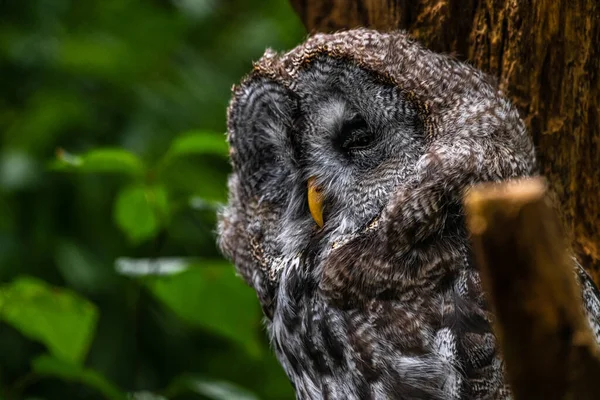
529, 280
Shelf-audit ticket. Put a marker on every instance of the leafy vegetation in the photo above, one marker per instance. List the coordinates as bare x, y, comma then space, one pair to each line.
113, 163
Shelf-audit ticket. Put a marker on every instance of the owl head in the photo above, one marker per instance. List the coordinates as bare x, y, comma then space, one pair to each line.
323, 136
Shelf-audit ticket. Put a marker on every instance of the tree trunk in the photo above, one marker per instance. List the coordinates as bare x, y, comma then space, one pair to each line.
546, 56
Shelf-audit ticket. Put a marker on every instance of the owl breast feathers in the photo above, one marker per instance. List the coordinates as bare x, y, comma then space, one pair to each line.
350, 155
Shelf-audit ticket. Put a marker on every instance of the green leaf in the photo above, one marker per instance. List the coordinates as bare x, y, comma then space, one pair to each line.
141, 267
59, 318
50, 366
211, 296
196, 164
101, 160
140, 211
209, 388
145, 395
198, 142
112, 160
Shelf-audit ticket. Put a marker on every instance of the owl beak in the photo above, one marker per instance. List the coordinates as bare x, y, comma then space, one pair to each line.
315, 201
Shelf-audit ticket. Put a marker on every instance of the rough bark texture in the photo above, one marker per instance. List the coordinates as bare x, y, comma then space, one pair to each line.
546, 56
548, 347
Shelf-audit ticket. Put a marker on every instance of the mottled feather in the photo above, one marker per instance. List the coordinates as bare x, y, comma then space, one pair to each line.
383, 302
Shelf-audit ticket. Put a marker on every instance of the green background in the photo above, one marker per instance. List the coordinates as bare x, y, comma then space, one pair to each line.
113, 162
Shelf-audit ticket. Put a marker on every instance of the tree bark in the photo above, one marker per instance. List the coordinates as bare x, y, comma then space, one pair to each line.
546, 56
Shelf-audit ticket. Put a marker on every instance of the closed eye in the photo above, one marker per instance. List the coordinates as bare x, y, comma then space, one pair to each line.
355, 135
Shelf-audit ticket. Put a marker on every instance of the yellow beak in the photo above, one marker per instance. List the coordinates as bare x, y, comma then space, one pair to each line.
315, 201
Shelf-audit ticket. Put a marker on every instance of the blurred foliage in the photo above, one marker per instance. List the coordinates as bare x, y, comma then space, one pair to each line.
113, 163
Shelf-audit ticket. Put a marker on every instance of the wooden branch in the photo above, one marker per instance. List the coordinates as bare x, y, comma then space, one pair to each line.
529, 280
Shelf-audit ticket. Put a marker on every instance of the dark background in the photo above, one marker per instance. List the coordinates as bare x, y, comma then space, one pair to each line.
113, 162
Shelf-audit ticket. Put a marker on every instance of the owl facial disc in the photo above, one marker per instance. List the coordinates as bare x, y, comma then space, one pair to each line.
315, 201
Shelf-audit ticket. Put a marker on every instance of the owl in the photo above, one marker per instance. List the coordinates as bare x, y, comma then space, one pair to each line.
350, 155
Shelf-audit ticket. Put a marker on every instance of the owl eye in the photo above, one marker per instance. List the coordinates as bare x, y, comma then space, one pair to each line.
355, 135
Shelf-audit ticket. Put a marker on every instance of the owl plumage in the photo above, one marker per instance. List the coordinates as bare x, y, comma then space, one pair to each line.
384, 300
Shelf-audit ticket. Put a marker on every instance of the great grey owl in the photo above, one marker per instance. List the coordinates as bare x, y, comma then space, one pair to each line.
350, 154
